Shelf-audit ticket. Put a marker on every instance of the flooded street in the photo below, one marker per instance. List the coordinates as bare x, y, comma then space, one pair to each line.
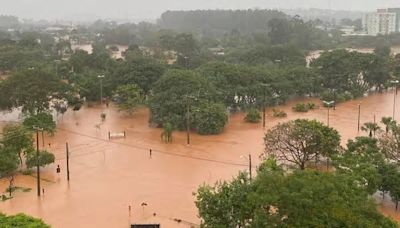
108, 176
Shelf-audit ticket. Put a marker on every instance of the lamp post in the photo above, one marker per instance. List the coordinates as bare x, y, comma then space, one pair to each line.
328, 103
265, 86
394, 82
250, 165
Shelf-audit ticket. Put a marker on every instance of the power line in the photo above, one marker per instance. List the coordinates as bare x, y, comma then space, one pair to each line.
156, 151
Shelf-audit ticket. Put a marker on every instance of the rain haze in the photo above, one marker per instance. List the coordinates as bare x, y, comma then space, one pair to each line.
199, 113
152, 9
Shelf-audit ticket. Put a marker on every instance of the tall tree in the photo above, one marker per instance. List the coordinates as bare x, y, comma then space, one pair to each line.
32, 89
129, 97
18, 139
301, 141
278, 199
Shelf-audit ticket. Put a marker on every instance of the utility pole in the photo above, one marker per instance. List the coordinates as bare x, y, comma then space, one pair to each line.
37, 160
394, 95
66, 144
264, 87
250, 168
359, 117
188, 123
101, 88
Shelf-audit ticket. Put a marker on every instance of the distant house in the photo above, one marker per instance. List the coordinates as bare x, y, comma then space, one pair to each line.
217, 51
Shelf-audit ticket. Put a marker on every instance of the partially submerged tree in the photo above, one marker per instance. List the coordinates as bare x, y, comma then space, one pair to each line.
41, 120
301, 141
45, 158
371, 128
129, 97
18, 139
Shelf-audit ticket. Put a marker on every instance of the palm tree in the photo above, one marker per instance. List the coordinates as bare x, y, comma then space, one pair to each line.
388, 122
370, 127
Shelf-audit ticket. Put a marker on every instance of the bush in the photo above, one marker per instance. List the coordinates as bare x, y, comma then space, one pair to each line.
210, 119
338, 97
253, 116
300, 107
311, 106
279, 113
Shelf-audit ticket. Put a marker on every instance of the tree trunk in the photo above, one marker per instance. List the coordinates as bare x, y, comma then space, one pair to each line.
20, 158
302, 166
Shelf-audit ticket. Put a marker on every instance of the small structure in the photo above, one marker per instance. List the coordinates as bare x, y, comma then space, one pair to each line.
116, 135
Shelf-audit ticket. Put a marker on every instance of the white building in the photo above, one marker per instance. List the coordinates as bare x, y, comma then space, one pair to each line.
382, 22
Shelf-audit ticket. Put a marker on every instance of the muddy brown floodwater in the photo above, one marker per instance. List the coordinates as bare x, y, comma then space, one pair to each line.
108, 176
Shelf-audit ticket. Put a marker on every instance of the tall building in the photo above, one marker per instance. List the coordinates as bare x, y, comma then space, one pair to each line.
397, 12
382, 22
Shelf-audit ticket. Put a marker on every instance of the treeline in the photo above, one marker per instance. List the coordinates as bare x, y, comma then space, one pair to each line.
219, 22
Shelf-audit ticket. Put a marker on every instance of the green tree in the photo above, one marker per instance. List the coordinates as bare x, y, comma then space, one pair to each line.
390, 143
174, 92
32, 90
277, 199
301, 141
129, 97
8, 161
253, 116
210, 118
166, 135
41, 120
45, 158
388, 122
143, 71
371, 128
17, 139
21, 220
362, 159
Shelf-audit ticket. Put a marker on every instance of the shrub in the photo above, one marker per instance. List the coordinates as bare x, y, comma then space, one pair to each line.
300, 107
253, 116
279, 113
311, 106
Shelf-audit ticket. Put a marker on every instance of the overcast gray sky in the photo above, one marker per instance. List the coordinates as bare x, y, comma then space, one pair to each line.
151, 9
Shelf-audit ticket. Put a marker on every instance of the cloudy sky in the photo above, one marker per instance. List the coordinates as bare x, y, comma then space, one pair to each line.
151, 9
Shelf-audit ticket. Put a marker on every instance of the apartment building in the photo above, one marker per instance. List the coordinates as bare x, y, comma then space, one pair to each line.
383, 22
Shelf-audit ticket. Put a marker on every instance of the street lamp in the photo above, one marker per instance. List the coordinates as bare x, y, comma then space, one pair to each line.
265, 86
250, 168
394, 82
101, 88
328, 103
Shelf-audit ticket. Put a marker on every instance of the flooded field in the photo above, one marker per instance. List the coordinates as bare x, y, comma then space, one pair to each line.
108, 176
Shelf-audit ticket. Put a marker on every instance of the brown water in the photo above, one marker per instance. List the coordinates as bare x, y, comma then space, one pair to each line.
108, 176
